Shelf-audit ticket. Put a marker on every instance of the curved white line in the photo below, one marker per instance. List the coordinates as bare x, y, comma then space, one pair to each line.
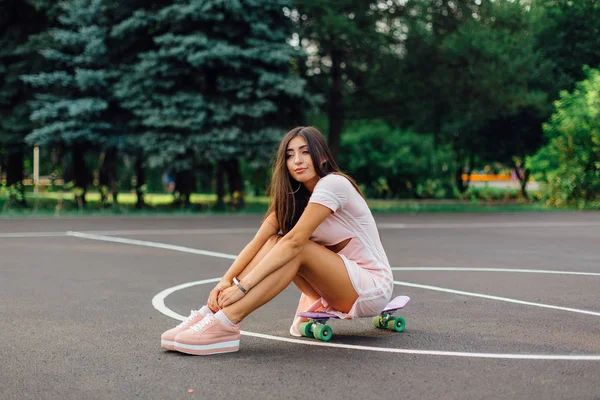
159, 304
158, 301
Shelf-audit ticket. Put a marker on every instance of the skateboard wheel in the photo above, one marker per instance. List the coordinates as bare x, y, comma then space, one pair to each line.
397, 324
378, 322
323, 332
375, 321
306, 329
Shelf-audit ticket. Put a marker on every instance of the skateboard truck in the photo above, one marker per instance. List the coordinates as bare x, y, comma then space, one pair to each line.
386, 320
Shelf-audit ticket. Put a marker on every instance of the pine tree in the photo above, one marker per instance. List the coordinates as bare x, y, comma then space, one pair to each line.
217, 85
73, 108
22, 26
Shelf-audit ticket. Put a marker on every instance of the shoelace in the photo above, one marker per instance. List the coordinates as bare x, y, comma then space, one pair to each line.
202, 324
193, 314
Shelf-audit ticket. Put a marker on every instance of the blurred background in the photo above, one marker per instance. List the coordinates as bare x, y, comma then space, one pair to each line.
179, 104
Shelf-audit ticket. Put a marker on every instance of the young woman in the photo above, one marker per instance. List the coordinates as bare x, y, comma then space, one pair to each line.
318, 233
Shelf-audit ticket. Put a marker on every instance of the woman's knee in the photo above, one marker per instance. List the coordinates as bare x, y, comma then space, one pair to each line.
308, 252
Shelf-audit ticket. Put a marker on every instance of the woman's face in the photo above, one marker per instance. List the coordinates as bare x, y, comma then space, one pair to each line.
299, 163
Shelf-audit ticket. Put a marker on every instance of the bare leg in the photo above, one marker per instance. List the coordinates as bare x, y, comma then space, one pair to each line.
299, 281
306, 287
324, 269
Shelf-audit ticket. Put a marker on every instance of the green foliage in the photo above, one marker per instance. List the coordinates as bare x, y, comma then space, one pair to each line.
570, 162
198, 85
20, 43
348, 45
568, 35
73, 104
389, 162
467, 68
214, 84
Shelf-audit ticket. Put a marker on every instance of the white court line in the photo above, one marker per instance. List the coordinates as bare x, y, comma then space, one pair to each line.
149, 232
217, 231
158, 301
176, 231
528, 271
151, 244
487, 225
487, 296
32, 234
233, 257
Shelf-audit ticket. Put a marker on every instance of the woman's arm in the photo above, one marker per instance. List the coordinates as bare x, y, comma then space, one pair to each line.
268, 228
289, 246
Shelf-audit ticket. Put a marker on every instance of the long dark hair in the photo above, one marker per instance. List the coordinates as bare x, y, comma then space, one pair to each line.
288, 196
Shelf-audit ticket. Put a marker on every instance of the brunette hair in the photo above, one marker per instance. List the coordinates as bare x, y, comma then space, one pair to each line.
289, 197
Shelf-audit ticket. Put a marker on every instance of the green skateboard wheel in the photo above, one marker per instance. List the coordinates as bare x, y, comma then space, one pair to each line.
306, 329
323, 332
397, 324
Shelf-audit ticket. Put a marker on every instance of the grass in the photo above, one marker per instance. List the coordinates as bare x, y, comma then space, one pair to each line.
55, 204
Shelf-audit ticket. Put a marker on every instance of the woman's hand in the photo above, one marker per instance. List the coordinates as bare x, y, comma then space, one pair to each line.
229, 296
213, 297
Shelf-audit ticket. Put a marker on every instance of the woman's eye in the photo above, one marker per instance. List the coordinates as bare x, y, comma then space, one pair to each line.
305, 152
288, 156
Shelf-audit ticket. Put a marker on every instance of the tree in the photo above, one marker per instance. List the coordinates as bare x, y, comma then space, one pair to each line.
570, 162
22, 26
388, 162
481, 68
74, 108
568, 34
345, 40
216, 84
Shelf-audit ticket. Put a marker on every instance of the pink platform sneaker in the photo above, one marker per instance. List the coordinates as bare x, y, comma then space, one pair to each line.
209, 336
167, 339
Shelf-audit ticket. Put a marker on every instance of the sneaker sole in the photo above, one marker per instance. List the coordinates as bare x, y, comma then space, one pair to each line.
208, 349
167, 344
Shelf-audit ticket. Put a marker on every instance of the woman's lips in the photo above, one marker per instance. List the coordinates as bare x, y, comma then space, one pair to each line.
300, 170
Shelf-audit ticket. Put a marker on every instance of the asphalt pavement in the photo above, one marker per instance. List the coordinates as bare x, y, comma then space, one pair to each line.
503, 306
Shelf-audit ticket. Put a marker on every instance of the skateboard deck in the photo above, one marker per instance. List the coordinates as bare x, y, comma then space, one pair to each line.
317, 326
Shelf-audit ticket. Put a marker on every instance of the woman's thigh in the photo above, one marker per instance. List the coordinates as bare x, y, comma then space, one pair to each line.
326, 272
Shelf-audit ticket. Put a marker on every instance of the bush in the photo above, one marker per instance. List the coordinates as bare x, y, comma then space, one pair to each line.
393, 163
570, 162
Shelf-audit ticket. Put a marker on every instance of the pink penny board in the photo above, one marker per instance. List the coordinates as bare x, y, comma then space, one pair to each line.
396, 304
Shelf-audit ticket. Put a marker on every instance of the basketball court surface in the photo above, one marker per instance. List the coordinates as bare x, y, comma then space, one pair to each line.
503, 306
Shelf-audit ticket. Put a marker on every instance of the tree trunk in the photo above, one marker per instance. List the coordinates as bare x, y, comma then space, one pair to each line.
185, 184
236, 184
523, 177
108, 175
220, 183
14, 176
82, 175
462, 185
336, 104
140, 181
